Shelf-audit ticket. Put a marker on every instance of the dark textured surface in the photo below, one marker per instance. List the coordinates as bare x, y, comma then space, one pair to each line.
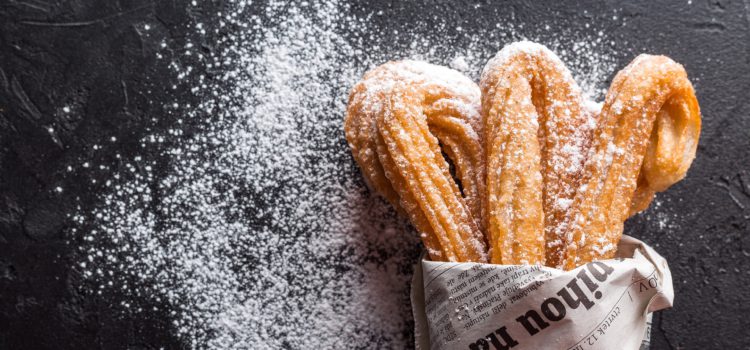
93, 57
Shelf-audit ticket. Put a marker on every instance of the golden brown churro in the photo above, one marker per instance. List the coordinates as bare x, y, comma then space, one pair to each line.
536, 132
397, 116
546, 179
649, 125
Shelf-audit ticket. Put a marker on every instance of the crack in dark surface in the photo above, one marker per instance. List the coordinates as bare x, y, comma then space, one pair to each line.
85, 22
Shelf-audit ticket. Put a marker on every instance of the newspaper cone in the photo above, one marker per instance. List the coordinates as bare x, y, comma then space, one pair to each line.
601, 305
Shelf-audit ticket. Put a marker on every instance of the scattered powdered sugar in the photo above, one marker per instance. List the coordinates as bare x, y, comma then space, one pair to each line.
459, 64
259, 235
259, 232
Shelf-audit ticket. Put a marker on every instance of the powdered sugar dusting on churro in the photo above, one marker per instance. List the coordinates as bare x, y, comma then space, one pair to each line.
257, 232
638, 100
422, 73
555, 148
420, 109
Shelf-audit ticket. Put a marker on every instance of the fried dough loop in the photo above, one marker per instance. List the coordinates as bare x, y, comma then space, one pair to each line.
535, 131
398, 117
647, 139
539, 177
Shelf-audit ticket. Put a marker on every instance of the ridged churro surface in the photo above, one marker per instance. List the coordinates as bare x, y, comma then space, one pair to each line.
536, 133
646, 140
401, 118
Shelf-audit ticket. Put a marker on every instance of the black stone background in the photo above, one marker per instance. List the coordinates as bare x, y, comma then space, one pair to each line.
94, 57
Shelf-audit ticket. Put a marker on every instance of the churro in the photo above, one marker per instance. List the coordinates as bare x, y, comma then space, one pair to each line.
399, 115
536, 133
649, 129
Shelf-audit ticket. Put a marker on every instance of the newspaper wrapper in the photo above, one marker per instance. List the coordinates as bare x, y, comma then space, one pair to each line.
601, 305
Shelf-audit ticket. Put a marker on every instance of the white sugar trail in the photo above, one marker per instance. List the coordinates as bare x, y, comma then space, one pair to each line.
285, 151
261, 236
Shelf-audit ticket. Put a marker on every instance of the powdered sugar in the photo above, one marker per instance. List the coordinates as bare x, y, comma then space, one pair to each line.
260, 233
459, 64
